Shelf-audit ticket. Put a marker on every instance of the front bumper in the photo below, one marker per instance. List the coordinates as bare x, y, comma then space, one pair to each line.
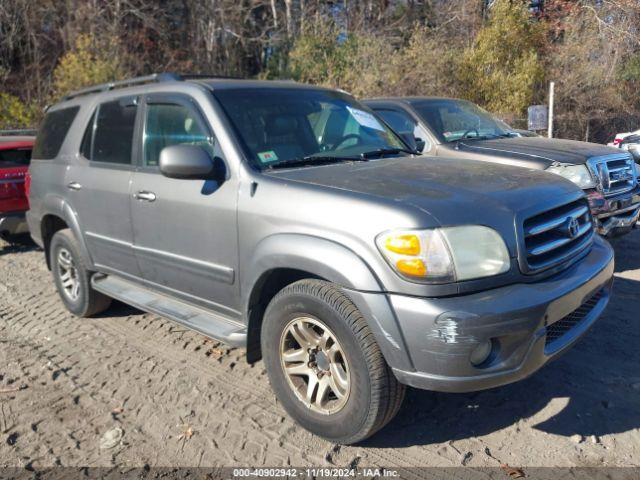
618, 211
441, 333
13, 223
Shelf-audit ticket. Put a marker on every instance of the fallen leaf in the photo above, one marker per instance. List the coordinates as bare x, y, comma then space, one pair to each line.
186, 434
512, 472
216, 353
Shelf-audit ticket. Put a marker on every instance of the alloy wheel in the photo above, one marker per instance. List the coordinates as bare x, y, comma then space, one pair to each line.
68, 274
315, 365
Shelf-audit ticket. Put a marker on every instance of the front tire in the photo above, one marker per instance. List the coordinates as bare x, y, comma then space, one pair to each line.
324, 364
72, 278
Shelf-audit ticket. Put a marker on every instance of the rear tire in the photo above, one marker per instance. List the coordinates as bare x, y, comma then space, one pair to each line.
72, 278
320, 315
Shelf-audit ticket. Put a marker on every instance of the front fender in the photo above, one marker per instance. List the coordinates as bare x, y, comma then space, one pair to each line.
318, 256
339, 265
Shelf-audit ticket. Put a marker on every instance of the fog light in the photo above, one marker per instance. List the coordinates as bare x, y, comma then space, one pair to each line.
481, 353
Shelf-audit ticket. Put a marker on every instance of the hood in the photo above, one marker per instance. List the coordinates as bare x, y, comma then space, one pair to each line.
540, 151
452, 191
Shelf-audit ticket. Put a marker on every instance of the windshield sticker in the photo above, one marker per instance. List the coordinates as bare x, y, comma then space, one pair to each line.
365, 119
268, 156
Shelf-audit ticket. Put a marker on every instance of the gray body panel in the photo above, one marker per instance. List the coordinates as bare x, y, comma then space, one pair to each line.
186, 239
540, 152
199, 252
109, 235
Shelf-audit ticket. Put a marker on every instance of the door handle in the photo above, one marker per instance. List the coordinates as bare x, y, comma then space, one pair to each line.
74, 186
144, 195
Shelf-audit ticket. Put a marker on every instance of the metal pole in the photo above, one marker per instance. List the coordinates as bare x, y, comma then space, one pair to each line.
552, 86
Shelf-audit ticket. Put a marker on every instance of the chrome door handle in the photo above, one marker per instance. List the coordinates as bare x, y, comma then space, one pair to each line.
144, 195
74, 186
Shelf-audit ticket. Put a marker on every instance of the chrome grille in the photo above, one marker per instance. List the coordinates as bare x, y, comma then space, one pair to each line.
615, 173
557, 235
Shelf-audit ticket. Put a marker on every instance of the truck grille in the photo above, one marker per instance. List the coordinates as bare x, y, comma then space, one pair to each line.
558, 329
615, 173
557, 235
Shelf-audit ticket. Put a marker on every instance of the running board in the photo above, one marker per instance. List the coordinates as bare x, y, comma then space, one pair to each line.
202, 321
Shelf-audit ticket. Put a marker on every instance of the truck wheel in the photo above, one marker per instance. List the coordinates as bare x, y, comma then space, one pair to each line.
72, 278
325, 365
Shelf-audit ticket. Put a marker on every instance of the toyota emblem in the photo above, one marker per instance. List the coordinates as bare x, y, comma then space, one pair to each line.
573, 227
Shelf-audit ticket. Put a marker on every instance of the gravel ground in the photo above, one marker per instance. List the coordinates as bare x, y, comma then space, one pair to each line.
69, 388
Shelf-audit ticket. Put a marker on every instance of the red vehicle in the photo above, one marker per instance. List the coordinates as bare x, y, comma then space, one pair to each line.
15, 155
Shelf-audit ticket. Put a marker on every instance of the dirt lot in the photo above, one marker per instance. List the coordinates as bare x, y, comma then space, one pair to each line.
182, 400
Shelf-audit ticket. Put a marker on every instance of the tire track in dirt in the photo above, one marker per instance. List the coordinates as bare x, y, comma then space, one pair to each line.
165, 376
142, 333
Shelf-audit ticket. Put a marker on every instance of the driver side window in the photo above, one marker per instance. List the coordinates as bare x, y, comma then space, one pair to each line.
173, 124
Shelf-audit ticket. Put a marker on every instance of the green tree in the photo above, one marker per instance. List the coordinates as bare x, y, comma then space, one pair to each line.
502, 69
359, 63
89, 63
630, 71
16, 114
319, 56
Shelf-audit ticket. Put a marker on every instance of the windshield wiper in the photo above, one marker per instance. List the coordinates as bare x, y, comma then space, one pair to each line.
313, 160
385, 151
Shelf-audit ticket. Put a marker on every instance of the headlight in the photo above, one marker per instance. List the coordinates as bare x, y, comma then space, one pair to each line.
444, 255
578, 174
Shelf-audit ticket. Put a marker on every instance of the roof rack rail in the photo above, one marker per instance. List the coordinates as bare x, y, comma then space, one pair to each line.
105, 87
204, 76
153, 78
18, 132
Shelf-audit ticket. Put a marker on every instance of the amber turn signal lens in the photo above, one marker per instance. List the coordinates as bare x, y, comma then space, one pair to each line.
403, 244
414, 267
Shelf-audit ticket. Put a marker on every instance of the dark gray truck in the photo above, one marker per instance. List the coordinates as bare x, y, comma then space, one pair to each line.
453, 128
287, 220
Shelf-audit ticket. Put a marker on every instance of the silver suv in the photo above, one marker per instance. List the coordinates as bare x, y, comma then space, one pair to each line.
287, 220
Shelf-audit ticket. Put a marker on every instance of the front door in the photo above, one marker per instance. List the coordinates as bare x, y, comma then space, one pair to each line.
99, 186
184, 231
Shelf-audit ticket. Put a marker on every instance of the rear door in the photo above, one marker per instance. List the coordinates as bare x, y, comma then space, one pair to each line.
99, 185
185, 231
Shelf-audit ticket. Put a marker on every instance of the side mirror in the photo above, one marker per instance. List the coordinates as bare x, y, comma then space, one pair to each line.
188, 162
420, 144
410, 140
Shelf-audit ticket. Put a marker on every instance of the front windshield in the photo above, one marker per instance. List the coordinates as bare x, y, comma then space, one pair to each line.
454, 120
279, 125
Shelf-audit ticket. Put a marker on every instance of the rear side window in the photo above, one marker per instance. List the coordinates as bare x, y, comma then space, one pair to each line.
52, 132
109, 135
15, 157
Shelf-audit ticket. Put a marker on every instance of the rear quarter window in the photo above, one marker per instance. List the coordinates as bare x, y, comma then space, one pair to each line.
52, 132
